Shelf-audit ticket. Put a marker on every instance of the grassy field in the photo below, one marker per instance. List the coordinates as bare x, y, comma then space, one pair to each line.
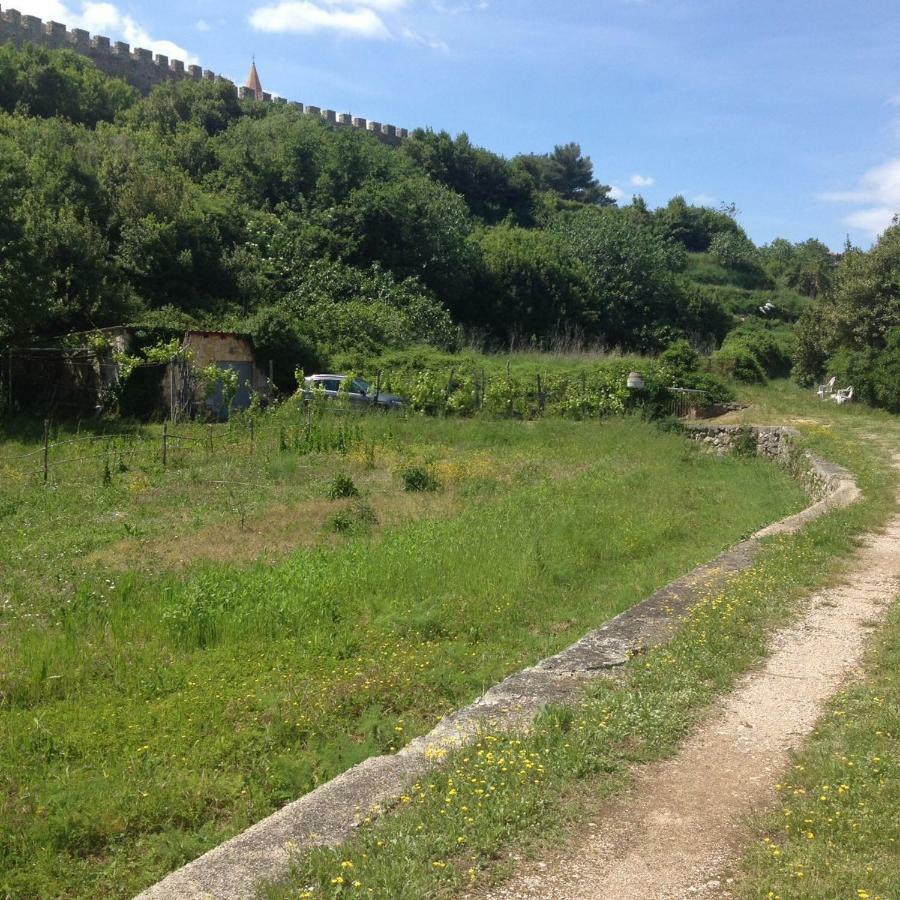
185, 648
514, 794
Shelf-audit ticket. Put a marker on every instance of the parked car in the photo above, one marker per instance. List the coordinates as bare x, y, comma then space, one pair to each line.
360, 392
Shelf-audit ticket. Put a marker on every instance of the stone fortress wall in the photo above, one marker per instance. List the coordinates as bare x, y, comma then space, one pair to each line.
143, 70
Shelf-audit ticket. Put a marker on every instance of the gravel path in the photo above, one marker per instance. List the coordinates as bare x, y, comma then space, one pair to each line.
681, 827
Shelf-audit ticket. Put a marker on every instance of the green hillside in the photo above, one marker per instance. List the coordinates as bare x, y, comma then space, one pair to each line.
192, 208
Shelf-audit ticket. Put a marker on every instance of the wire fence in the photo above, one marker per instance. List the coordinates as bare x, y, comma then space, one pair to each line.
314, 424
53, 459
239, 445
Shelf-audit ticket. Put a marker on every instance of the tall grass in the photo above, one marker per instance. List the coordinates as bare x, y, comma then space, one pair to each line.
147, 716
836, 833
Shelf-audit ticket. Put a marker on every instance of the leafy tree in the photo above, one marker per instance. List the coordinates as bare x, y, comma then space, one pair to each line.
694, 227
734, 250
209, 105
350, 310
536, 285
492, 187
809, 268
569, 174
416, 229
852, 333
45, 83
634, 295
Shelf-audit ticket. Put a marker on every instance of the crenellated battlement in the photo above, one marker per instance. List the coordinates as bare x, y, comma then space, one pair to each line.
144, 70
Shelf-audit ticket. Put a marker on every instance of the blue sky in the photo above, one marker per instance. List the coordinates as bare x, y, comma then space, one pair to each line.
789, 109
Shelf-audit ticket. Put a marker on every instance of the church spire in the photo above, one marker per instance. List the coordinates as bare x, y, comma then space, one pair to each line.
253, 82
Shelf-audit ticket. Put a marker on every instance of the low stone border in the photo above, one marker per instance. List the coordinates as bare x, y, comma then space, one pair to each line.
331, 813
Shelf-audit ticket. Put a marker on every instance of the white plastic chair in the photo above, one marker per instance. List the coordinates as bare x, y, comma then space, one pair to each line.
845, 396
826, 390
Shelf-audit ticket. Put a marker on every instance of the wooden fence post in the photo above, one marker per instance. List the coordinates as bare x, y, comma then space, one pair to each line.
377, 389
173, 406
165, 444
46, 450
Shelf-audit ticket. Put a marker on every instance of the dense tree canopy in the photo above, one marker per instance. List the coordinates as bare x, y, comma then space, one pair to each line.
853, 333
191, 206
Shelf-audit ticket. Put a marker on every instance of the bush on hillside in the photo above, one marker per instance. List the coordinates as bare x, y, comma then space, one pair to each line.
737, 361
753, 352
679, 358
873, 374
852, 333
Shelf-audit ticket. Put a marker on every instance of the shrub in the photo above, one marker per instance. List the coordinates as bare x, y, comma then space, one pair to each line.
341, 487
357, 518
874, 375
679, 358
418, 479
716, 390
752, 352
738, 362
342, 522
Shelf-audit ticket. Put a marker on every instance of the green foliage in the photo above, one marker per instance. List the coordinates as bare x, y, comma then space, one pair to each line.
744, 443
349, 309
355, 519
492, 188
734, 251
808, 267
44, 83
874, 375
634, 297
694, 227
419, 479
534, 282
568, 174
415, 229
219, 384
680, 358
341, 487
736, 360
754, 351
852, 332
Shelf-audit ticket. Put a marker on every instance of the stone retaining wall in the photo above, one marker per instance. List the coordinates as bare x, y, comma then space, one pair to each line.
820, 477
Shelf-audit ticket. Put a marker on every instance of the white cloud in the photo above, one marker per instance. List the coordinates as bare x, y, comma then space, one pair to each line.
878, 194
642, 180
301, 16
616, 193
873, 221
459, 8
424, 40
364, 19
103, 18
202, 25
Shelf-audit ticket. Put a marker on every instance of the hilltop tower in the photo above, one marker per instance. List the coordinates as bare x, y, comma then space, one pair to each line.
254, 84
